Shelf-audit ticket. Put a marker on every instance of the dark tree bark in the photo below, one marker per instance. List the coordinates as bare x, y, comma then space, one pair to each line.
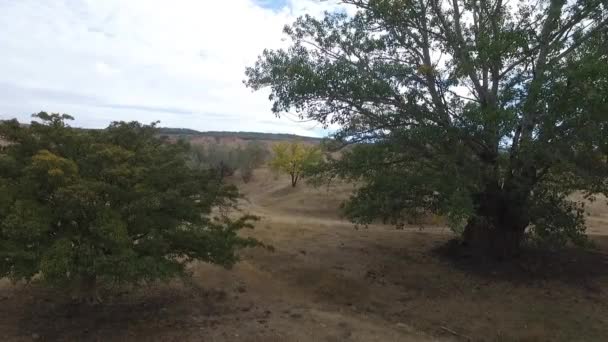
501, 241
87, 291
499, 224
294, 179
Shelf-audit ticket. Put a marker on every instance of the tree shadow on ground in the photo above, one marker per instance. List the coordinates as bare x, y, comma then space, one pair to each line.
579, 267
53, 316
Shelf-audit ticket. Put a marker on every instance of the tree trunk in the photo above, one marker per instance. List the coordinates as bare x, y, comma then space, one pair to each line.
87, 291
500, 241
498, 227
294, 180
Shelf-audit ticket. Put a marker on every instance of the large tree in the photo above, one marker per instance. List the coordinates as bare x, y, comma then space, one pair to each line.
486, 111
80, 207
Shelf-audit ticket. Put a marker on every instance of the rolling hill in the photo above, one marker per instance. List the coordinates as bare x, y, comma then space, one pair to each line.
191, 134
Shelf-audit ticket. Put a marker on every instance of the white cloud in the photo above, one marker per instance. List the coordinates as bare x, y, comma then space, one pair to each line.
181, 62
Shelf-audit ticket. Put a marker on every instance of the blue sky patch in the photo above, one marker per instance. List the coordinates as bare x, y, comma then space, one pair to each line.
272, 4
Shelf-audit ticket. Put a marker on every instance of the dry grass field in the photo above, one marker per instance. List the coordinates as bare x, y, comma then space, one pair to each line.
327, 281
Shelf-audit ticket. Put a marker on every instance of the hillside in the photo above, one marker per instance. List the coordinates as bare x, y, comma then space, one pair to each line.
223, 136
191, 134
327, 281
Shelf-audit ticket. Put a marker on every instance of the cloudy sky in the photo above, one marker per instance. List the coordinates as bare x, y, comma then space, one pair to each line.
178, 61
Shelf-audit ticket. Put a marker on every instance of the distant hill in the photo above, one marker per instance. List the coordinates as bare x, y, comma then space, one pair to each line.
225, 137
188, 134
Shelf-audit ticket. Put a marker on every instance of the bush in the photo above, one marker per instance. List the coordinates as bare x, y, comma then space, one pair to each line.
227, 160
83, 207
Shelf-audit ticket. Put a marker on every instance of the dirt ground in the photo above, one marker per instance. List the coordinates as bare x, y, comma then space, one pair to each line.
327, 281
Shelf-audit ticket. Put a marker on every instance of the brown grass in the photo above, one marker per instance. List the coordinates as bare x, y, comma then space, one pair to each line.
327, 281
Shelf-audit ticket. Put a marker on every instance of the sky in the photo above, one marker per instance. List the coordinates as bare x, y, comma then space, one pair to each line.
181, 61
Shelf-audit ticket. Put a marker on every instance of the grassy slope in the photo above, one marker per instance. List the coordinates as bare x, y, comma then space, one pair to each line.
327, 281
398, 277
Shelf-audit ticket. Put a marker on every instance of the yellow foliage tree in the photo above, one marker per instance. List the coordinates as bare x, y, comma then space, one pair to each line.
294, 159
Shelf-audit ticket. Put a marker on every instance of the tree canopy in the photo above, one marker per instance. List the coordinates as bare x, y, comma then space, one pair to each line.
79, 207
295, 159
486, 111
226, 159
254, 155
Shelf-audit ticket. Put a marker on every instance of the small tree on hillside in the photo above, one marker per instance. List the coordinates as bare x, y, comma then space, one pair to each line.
226, 160
487, 111
83, 207
294, 159
220, 158
252, 156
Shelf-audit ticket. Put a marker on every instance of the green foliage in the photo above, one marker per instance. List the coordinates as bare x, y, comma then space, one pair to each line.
221, 158
226, 160
253, 156
295, 159
481, 111
116, 205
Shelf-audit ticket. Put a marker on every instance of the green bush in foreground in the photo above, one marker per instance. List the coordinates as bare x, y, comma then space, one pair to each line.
83, 207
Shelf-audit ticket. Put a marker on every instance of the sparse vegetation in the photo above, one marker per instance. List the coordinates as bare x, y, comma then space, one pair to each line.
226, 160
223, 159
114, 206
252, 157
